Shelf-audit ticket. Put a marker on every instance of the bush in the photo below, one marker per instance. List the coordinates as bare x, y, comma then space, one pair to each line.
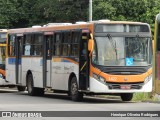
144, 97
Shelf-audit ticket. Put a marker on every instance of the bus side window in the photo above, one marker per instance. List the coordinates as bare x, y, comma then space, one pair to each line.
27, 45
75, 44
65, 43
11, 46
56, 50
37, 44
20, 39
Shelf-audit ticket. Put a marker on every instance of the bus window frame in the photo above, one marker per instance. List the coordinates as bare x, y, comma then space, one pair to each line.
39, 45
74, 42
74, 39
9, 49
32, 44
55, 44
66, 41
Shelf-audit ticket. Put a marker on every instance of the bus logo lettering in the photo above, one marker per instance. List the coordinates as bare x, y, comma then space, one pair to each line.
125, 79
113, 78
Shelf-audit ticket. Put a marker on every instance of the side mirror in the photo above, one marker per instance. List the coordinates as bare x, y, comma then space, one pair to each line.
90, 46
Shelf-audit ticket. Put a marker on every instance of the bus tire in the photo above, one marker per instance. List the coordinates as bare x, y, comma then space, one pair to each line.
30, 86
21, 88
74, 93
126, 96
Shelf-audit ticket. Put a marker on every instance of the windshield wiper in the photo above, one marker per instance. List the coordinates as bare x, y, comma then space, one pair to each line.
113, 44
117, 59
137, 43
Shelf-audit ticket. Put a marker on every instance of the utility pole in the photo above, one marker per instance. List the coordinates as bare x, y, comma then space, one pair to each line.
90, 10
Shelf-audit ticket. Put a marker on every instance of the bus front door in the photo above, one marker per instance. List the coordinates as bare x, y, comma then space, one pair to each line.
47, 59
84, 63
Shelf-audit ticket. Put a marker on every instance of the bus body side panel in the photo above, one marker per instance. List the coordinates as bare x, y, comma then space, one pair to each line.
70, 67
57, 75
35, 66
61, 70
26, 65
10, 71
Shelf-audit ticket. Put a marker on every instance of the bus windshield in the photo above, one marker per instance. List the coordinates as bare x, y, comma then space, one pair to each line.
122, 51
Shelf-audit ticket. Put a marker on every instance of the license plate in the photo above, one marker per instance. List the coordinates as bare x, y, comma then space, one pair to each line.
125, 87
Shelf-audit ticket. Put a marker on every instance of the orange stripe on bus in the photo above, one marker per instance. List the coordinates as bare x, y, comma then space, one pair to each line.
120, 78
61, 60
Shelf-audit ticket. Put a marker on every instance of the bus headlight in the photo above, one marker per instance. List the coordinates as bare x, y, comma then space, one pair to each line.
99, 78
148, 78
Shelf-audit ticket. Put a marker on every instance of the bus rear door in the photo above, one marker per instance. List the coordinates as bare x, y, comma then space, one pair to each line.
13, 64
47, 57
18, 52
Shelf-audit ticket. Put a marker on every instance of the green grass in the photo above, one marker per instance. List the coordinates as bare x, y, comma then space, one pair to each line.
144, 97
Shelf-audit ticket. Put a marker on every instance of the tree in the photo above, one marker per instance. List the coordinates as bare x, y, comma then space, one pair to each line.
128, 10
60, 11
15, 13
25, 13
7, 11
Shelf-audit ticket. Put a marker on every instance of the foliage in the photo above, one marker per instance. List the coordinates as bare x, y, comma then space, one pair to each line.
144, 97
25, 13
127, 10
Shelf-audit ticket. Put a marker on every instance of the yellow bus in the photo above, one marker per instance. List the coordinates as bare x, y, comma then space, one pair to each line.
95, 58
156, 65
3, 39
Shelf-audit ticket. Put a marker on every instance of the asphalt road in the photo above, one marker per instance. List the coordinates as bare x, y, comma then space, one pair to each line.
11, 100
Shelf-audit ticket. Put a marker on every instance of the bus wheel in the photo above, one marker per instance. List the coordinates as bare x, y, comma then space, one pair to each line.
21, 88
74, 93
126, 96
30, 86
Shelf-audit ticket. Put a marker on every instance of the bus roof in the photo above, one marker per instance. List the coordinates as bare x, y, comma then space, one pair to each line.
118, 22
70, 26
3, 30
49, 28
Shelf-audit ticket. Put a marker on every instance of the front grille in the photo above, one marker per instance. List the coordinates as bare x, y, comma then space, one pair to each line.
125, 73
125, 70
128, 86
128, 83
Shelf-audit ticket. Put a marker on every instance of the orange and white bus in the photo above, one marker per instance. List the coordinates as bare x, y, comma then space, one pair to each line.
100, 57
3, 39
156, 60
